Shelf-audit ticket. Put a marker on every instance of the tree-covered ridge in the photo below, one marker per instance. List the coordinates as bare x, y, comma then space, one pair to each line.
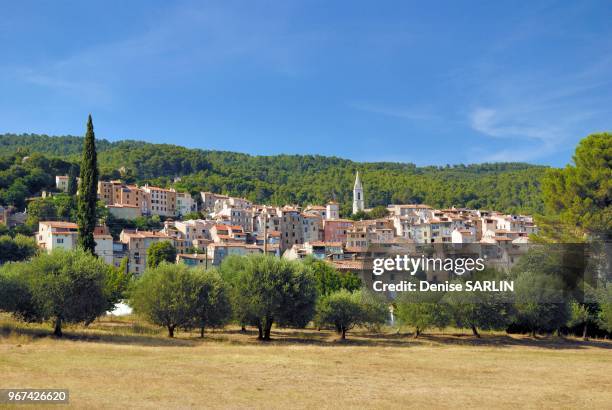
300, 179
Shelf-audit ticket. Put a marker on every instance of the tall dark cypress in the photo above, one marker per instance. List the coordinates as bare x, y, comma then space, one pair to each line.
88, 191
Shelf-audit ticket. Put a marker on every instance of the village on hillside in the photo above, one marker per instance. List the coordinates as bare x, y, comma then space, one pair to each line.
235, 226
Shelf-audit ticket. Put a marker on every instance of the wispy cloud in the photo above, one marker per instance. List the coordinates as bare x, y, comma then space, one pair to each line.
506, 124
404, 112
542, 114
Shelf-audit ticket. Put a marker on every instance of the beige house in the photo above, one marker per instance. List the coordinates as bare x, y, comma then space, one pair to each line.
313, 227
463, 236
209, 199
124, 211
116, 193
137, 243
291, 227
163, 201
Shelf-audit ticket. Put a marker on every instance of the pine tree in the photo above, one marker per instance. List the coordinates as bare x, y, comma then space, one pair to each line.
72, 180
88, 190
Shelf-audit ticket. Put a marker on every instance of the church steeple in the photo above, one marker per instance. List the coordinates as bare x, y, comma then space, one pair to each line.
358, 201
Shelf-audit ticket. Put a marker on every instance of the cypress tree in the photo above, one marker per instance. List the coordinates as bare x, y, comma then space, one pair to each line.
88, 191
72, 180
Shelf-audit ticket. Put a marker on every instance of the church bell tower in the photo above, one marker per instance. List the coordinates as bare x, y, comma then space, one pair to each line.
358, 202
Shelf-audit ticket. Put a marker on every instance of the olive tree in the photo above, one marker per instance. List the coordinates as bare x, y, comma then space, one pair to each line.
229, 270
212, 307
344, 310
540, 304
421, 310
166, 295
270, 290
64, 286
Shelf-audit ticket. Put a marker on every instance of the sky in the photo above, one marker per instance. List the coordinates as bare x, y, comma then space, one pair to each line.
432, 83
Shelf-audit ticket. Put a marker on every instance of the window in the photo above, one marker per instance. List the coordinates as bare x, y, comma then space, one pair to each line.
60, 240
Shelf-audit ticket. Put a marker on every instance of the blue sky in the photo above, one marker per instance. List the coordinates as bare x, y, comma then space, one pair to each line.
435, 83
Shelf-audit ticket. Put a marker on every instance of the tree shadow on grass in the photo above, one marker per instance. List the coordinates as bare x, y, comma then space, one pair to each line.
405, 340
98, 337
487, 340
305, 337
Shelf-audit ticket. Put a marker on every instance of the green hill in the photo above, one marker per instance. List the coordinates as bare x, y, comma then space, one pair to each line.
278, 179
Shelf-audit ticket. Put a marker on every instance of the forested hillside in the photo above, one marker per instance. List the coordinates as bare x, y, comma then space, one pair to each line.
278, 179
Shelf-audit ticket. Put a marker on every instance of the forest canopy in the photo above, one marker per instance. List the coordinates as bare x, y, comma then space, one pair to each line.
276, 179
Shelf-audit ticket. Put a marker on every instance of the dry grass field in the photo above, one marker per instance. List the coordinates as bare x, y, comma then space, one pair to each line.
124, 364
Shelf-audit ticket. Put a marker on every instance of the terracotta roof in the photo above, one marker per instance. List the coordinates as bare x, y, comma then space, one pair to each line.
60, 224
155, 188
418, 206
146, 234
122, 206
348, 264
321, 243
354, 249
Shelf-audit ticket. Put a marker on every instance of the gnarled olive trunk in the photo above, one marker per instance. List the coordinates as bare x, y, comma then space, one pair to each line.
417, 332
475, 331
268, 328
57, 331
584, 331
171, 330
